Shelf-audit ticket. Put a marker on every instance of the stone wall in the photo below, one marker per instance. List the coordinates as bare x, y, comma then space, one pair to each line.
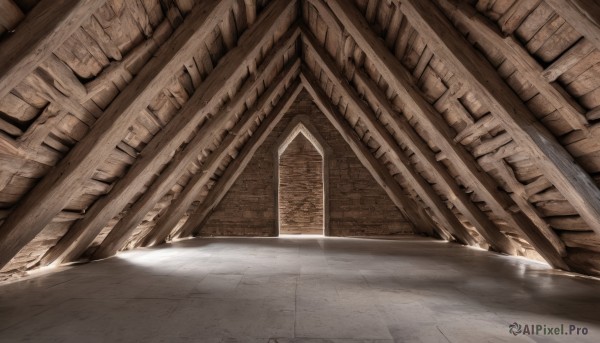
357, 204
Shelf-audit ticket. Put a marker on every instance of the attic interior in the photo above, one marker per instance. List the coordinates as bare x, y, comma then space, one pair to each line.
299, 170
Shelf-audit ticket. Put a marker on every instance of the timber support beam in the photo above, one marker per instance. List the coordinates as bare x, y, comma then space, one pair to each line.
546, 242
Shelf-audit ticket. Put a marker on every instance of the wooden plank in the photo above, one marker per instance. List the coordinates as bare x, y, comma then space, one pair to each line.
402, 82
54, 191
64, 78
10, 128
519, 195
594, 114
417, 182
205, 136
516, 14
476, 130
569, 59
569, 178
588, 240
41, 127
480, 29
238, 165
250, 11
422, 222
44, 29
219, 82
167, 222
44, 86
583, 15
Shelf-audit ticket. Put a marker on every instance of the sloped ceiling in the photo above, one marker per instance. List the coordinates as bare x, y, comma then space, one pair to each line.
123, 124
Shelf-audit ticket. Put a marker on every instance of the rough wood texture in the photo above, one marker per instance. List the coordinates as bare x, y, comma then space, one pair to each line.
410, 138
520, 58
582, 14
225, 76
43, 30
417, 182
119, 118
211, 90
51, 195
572, 181
400, 80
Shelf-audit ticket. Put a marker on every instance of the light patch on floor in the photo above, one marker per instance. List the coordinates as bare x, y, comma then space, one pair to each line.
299, 289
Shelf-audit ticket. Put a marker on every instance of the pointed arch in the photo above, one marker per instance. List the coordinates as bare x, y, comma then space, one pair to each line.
301, 124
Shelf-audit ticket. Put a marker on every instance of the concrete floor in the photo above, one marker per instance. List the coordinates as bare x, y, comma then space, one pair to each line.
300, 289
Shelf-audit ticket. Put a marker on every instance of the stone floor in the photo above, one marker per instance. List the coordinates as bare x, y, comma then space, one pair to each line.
299, 289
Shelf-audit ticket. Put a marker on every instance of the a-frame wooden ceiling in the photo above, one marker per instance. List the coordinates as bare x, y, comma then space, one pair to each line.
124, 123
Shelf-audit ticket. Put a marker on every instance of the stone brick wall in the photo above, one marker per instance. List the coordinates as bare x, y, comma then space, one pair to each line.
357, 205
301, 188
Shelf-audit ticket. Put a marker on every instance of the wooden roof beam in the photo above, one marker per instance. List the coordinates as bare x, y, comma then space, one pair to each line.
486, 228
557, 164
54, 191
118, 236
44, 29
232, 68
236, 167
546, 242
583, 15
381, 135
409, 137
178, 208
380, 174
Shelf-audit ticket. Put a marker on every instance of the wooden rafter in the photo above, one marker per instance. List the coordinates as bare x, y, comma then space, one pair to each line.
378, 171
397, 156
55, 190
545, 242
558, 166
567, 60
237, 166
208, 132
486, 228
178, 208
48, 25
482, 30
449, 171
205, 98
410, 138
